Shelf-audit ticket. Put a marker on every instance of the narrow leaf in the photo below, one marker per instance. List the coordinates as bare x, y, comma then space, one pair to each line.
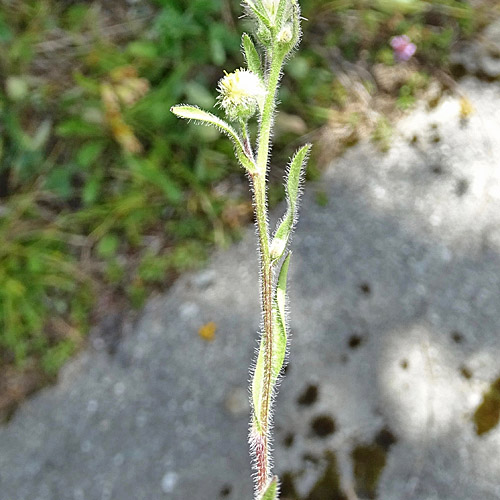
199, 115
259, 11
279, 345
251, 55
271, 490
296, 23
205, 118
281, 13
258, 386
285, 227
279, 321
281, 288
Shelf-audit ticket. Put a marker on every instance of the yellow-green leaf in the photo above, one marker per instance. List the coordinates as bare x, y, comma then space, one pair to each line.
205, 118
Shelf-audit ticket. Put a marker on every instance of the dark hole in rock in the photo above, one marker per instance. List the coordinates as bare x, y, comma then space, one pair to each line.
287, 487
457, 337
289, 439
404, 364
385, 438
414, 139
465, 372
437, 169
365, 288
458, 71
355, 341
369, 461
487, 415
435, 139
462, 187
309, 457
225, 491
323, 425
434, 101
351, 140
328, 485
309, 396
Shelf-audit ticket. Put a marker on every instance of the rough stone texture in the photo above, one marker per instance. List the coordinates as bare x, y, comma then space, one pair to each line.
480, 56
394, 289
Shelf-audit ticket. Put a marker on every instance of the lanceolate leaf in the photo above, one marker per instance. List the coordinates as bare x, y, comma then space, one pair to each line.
295, 23
284, 230
281, 13
279, 321
251, 55
258, 386
204, 117
279, 347
259, 11
271, 491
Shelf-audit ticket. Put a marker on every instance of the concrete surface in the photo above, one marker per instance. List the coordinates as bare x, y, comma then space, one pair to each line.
395, 299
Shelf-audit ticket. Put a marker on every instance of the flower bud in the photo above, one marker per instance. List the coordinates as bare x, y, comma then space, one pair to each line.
272, 6
240, 93
286, 34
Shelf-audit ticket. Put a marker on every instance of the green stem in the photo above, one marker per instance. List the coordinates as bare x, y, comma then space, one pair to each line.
247, 144
260, 197
268, 112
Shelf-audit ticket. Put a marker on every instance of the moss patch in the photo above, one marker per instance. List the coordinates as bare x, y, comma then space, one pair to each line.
369, 461
328, 485
487, 414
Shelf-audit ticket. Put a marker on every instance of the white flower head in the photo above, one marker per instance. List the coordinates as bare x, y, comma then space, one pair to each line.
240, 93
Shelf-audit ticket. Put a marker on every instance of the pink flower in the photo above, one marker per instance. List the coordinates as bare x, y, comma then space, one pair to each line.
403, 48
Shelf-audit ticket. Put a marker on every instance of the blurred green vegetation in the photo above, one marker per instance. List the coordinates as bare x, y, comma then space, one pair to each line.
103, 192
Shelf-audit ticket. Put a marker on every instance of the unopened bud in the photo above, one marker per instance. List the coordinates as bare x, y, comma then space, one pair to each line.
286, 34
272, 8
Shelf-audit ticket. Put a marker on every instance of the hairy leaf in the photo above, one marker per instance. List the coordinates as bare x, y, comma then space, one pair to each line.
279, 345
279, 320
251, 55
271, 491
205, 118
258, 385
259, 11
281, 13
284, 229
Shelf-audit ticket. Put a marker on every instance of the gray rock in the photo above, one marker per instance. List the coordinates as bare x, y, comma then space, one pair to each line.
481, 56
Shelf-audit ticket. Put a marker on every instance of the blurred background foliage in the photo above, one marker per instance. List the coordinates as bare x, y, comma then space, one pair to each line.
105, 195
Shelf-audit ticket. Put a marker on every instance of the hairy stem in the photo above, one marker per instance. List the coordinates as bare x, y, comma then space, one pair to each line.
247, 145
260, 197
266, 301
268, 112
